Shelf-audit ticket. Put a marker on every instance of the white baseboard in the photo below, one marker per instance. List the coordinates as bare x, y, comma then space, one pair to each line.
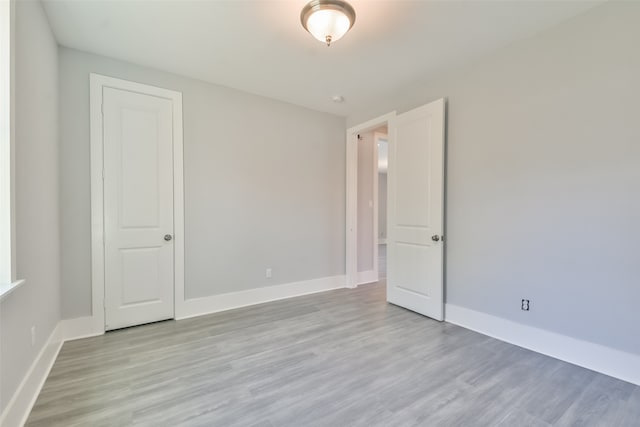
606, 360
19, 407
215, 303
366, 277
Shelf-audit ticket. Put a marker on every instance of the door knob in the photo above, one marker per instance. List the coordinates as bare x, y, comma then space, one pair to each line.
435, 238
167, 237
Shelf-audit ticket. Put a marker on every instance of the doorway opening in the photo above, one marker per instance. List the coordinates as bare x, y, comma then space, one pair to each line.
372, 204
367, 162
414, 233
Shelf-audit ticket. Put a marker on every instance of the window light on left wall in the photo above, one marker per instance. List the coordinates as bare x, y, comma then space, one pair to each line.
8, 280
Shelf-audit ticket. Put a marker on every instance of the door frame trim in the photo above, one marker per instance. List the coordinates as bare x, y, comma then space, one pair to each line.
351, 216
96, 84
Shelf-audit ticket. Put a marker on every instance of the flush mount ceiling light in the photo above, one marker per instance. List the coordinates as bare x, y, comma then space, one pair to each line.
327, 20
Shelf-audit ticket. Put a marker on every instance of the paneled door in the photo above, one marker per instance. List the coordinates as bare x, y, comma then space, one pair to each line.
138, 208
416, 210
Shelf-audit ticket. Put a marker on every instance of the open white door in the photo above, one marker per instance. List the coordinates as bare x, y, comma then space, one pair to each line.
416, 210
138, 208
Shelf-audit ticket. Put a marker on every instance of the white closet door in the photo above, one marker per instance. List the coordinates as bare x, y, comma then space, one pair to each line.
138, 208
416, 210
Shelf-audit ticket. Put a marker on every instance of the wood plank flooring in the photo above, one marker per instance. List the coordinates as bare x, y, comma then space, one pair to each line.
339, 358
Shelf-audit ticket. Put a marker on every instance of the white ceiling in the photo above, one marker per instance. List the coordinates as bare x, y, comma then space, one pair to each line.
260, 47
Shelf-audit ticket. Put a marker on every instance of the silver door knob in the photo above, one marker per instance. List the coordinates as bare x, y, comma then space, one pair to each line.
435, 238
167, 237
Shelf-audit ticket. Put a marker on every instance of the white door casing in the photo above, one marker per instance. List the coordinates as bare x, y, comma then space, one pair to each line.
415, 222
137, 201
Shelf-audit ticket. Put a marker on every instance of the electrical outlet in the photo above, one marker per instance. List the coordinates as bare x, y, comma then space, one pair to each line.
524, 306
267, 274
33, 336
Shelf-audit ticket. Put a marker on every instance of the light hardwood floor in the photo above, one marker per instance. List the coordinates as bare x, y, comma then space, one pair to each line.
340, 358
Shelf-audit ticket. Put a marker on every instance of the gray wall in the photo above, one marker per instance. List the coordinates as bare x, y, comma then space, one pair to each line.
365, 230
544, 178
264, 185
37, 302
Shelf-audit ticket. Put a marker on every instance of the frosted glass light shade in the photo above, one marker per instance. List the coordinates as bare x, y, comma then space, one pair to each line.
327, 20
